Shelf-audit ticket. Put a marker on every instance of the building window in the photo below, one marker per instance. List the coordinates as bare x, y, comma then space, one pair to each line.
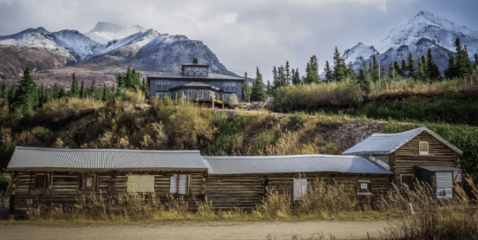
179, 184
140, 183
407, 179
162, 85
41, 181
229, 86
300, 188
90, 181
423, 148
364, 187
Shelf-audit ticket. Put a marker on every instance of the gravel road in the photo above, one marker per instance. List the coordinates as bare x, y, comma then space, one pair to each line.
199, 231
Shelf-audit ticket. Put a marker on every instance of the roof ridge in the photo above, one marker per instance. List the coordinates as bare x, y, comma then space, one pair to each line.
103, 150
282, 156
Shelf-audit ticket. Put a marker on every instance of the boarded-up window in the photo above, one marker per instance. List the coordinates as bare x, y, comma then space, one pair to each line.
179, 184
300, 188
407, 179
90, 181
444, 179
140, 183
423, 148
41, 181
364, 187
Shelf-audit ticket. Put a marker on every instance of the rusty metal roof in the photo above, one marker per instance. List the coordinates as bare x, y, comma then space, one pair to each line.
387, 143
292, 164
54, 158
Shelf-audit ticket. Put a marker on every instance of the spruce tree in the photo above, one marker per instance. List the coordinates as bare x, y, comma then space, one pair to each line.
404, 69
312, 71
92, 90
287, 73
374, 69
411, 66
422, 69
269, 89
246, 90
339, 66
105, 93
296, 77
26, 97
463, 64
75, 90
82, 90
62, 92
258, 92
329, 75
450, 72
432, 68
145, 88
397, 68
364, 79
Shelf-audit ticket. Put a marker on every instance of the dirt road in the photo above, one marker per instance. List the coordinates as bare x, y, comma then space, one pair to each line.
198, 231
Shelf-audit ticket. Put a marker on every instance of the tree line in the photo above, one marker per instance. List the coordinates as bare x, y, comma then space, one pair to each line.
26, 98
459, 66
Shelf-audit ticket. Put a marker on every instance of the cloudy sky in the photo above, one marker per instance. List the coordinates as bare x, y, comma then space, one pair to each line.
245, 33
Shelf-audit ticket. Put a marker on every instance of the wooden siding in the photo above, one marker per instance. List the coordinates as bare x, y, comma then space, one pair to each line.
246, 191
403, 160
68, 189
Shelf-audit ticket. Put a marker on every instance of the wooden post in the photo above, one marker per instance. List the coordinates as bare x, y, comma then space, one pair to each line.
176, 97
223, 101
197, 99
212, 100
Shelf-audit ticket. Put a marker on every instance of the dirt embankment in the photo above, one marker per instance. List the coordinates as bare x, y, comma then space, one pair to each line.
198, 231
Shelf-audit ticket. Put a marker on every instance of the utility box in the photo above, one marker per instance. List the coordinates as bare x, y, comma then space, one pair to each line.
440, 178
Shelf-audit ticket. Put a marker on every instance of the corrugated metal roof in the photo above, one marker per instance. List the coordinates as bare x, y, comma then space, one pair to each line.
292, 164
210, 76
387, 143
31, 157
438, 168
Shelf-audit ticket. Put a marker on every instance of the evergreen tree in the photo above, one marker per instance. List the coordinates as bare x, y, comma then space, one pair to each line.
105, 93
364, 79
450, 72
329, 75
92, 90
351, 73
75, 90
11, 95
82, 90
374, 69
422, 72
339, 66
269, 89
26, 97
296, 77
463, 64
411, 66
62, 92
404, 69
476, 60
274, 78
246, 90
288, 77
258, 92
432, 68
312, 71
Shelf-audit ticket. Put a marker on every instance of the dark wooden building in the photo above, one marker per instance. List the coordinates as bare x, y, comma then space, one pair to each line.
64, 176
416, 154
196, 82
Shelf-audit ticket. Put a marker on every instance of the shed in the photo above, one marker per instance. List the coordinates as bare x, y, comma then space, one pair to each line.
439, 178
402, 152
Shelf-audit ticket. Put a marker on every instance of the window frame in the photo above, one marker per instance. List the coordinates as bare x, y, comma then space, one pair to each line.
93, 187
300, 196
422, 152
46, 184
178, 178
407, 175
361, 190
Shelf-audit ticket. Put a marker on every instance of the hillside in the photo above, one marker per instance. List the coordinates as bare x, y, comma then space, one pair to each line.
127, 121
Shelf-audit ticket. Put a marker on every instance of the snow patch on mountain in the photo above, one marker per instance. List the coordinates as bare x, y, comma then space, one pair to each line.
105, 32
360, 53
76, 43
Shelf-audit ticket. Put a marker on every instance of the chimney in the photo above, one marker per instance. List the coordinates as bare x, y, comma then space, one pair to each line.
195, 60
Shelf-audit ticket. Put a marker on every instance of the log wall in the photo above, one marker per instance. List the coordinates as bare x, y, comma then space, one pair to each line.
403, 160
68, 189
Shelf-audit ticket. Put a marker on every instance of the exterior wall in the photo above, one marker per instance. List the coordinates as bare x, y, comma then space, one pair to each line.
403, 160
68, 188
246, 191
157, 89
383, 158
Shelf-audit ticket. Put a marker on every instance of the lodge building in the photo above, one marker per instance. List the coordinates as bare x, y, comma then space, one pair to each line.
195, 82
62, 176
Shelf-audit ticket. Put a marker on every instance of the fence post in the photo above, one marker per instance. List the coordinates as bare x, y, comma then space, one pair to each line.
223, 101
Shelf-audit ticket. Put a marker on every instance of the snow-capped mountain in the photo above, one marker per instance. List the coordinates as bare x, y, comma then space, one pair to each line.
424, 31
145, 50
358, 54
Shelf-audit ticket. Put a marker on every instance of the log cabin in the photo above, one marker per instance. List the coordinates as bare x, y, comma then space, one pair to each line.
63, 176
419, 154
